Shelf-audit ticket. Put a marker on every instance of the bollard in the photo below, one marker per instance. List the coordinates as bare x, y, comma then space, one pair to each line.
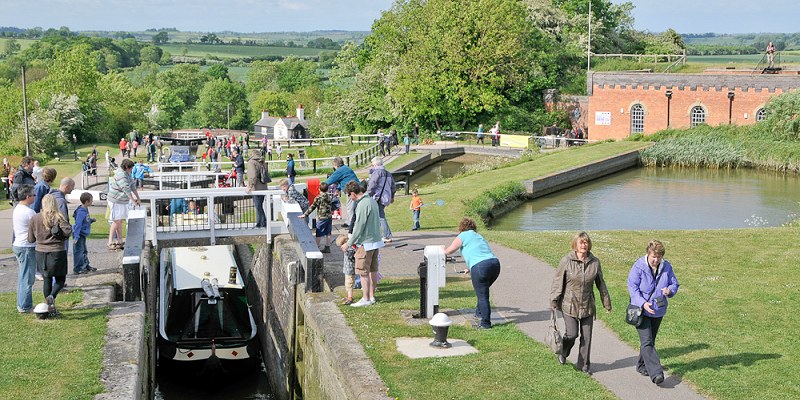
441, 324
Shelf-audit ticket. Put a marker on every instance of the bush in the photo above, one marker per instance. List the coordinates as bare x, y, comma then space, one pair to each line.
489, 201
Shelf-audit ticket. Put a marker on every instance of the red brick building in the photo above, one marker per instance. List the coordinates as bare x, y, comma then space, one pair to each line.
625, 103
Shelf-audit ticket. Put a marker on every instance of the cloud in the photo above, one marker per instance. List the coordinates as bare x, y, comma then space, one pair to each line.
293, 5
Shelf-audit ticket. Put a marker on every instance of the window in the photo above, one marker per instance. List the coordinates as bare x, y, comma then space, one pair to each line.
637, 119
698, 116
761, 114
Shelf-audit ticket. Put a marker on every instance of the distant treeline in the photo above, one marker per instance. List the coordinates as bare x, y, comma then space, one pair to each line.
738, 42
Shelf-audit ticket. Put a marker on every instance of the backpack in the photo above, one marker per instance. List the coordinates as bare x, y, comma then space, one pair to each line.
263, 174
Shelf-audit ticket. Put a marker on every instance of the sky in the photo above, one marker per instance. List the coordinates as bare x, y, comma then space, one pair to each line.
685, 16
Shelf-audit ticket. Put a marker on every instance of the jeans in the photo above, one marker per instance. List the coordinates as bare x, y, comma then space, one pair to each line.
387, 233
571, 333
648, 358
408, 147
261, 217
80, 256
416, 219
484, 274
291, 180
26, 258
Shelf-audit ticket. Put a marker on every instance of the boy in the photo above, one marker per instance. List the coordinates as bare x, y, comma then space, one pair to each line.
348, 268
81, 230
415, 207
322, 203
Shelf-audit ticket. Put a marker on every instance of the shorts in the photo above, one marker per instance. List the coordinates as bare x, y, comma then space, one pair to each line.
366, 261
52, 263
118, 211
324, 227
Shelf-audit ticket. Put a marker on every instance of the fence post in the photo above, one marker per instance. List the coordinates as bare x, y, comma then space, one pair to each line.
314, 163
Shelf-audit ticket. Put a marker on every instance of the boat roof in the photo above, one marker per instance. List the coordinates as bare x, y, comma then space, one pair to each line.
191, 264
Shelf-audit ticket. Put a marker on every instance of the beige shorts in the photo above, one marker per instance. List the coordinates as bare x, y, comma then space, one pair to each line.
366, 261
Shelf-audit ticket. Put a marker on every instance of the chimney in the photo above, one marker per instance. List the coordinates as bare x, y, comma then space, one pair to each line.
264, 114
300, 115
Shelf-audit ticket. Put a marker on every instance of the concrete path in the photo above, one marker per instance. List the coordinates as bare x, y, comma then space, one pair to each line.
520, 295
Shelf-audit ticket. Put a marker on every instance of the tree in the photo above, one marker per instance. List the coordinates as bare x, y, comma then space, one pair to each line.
276, 103
218, 71
160, 38
11, 47
185, 80
217, 98
151, 54
166, 110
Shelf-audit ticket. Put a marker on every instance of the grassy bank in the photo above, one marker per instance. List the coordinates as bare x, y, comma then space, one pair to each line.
51, 359
508, 366
722, 147
728, 329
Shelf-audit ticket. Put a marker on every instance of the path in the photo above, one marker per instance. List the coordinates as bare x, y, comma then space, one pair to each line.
520, 295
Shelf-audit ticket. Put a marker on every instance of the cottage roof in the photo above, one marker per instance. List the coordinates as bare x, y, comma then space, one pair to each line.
267, 121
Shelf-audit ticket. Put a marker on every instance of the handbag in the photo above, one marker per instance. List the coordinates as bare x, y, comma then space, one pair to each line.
553, 337
57, 232
634, 314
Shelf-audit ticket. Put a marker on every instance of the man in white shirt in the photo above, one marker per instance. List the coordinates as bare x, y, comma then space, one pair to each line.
24, 251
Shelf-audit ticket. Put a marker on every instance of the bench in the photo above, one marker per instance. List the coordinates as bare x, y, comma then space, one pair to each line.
67, 154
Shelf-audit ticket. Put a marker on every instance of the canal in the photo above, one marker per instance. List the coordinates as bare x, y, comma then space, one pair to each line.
663, 198
448, 168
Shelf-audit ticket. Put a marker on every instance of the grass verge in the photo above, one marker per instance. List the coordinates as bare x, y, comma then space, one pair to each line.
509, 364
55, 358
728, 330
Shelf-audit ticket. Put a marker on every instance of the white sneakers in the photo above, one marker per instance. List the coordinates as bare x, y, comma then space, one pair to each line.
363, 303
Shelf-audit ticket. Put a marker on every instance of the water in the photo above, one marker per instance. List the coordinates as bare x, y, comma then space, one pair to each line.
445, 169
250, 387
663, 198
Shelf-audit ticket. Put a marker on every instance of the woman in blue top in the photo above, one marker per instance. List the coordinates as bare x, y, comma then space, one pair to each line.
483, 266
650, 282
290, 171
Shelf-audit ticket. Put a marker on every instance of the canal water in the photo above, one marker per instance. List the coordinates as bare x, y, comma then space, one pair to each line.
663, 198
249, 387
446, 169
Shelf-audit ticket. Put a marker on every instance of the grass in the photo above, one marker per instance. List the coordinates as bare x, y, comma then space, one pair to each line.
51, 359
233, 51
727, 329
456, 192
509, 364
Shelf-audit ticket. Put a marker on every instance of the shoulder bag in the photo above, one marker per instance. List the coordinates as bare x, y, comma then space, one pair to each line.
633, 314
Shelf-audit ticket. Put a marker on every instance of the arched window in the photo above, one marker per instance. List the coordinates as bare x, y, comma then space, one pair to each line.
761, 114
637, 119
698, 116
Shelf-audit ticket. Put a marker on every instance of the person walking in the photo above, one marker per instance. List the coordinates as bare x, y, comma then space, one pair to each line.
480, 134
381, 187
49, 230
23, 250
290, 171
407, 143
483, 266
651, 282
258, 179
416, 134
572, 293
367, 237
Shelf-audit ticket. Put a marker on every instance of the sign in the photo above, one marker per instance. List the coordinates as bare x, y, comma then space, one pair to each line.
602, 118
516, 141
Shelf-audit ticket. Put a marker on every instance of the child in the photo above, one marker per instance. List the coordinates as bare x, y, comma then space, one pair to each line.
322, 203
415, 207
336, 204
348, 268
81, 230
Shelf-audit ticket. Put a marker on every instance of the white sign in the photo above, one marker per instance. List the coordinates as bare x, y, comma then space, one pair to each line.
602, 118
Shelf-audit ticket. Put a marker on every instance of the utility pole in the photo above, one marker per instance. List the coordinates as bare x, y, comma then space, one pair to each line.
589, 44
25, 115
229, 116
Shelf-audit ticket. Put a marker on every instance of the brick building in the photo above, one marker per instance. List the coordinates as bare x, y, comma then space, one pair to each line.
625, 103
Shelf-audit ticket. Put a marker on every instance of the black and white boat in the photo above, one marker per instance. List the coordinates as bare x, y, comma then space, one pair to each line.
204, 321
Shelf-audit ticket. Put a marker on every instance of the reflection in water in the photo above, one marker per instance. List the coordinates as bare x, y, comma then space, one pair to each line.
446, 169
663, 198
248, 387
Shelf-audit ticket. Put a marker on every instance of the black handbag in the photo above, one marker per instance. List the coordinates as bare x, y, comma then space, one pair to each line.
56, 232
634, 314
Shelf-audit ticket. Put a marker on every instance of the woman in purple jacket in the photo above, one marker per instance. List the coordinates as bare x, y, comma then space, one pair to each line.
650, 282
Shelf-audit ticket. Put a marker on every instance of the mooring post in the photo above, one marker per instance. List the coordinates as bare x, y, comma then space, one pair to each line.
131, 257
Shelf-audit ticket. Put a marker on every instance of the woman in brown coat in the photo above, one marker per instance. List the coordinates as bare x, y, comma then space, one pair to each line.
572, 293
51, 253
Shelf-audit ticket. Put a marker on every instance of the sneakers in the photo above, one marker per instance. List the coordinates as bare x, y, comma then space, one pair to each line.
373, 301
81, 272
387, 240
658, 379
326, 249
361, 303
91, 269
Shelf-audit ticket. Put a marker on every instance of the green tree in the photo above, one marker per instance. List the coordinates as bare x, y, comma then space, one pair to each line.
150, 54
218, 71
166, 111
185, 80
220, 98
11, 47
160, 37
276, 103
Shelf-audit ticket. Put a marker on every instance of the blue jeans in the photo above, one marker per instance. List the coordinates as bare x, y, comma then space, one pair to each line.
387, 233
26, 258
416, 218
80, 255
261, 217
484, 274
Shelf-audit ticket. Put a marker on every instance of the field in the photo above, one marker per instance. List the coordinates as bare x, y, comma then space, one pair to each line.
23, 43
236, 73
749, 59
231, 51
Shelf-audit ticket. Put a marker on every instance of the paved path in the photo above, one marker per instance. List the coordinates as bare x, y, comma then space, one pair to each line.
520, 295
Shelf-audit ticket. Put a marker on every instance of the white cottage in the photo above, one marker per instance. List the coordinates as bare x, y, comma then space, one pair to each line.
283, 128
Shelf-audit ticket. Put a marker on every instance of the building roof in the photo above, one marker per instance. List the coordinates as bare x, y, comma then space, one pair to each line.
693, 81
290, 122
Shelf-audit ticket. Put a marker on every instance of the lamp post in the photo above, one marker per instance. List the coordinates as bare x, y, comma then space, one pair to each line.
730, 106
589, 41
668, 93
